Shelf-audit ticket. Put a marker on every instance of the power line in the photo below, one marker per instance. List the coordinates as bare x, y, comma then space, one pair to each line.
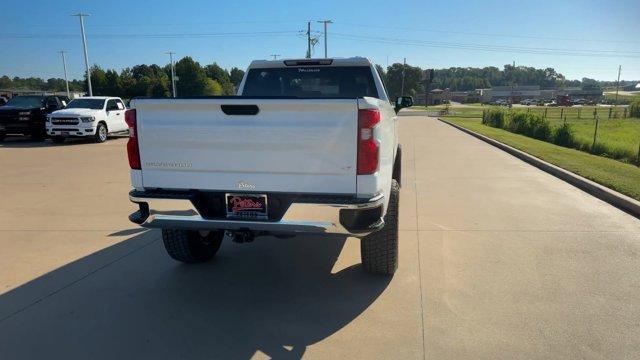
475, 45
149, 35
491, 35
491, 48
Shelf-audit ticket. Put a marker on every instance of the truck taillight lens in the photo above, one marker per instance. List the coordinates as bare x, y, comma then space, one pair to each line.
368, 147
133, 150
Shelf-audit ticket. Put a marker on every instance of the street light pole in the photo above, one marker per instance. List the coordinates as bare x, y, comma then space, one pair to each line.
64, 65
308, 39
275, 56
86, 55
404, 65
618, 83
325, 22
173, 74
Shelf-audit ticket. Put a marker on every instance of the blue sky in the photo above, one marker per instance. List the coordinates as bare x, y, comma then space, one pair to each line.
597, 35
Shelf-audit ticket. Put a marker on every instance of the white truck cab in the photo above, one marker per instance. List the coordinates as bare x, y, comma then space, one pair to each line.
308, 146
96, 117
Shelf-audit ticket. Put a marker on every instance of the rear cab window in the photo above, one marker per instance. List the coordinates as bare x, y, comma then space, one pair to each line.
311, 82
112, 105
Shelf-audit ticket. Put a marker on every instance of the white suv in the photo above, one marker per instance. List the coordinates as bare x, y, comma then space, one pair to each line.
96, 116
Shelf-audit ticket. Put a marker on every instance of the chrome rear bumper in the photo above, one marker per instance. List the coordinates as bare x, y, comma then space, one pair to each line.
180, 213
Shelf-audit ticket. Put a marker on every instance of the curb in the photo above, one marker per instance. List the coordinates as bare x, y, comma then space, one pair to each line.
621, 201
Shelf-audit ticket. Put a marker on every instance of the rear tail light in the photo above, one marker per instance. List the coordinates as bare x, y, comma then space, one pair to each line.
133, 150
368, 147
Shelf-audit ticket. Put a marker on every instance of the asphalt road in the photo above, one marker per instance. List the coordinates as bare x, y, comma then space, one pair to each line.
498, 260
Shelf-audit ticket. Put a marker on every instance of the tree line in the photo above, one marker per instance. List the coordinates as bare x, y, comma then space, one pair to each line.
469, 78
196, 80
143, 80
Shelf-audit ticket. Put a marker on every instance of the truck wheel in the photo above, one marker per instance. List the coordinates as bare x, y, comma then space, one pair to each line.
397, 166
379, 250
101, 133
38, 135
190, 246
58, 139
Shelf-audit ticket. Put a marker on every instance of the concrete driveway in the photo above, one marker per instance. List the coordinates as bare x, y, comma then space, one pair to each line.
498, 260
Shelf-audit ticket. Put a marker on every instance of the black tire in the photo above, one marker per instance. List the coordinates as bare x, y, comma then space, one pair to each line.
190, 246
58, 139
101, 133
2, 136
38, 135
379, 250
397, 166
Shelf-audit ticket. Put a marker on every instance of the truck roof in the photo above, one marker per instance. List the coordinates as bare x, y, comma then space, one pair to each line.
352, 61
99, 97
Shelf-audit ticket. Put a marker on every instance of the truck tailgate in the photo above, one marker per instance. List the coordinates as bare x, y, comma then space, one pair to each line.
290, 145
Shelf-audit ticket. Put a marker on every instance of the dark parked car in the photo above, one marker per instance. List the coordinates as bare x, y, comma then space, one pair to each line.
27, 115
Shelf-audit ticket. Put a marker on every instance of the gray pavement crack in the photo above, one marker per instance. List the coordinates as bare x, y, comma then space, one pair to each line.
415, 193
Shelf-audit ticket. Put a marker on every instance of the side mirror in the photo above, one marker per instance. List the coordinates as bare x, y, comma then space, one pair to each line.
403, 102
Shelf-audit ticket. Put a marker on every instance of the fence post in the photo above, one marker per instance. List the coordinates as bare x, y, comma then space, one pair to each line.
610, 110
625, 113
638, 158
545, 112
595, 134
579, 113
595, 112
561, 113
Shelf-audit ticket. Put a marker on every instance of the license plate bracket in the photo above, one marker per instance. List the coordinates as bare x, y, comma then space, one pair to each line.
246, 206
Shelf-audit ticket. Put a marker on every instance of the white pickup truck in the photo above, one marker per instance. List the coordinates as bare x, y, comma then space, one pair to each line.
95, 117
307, 147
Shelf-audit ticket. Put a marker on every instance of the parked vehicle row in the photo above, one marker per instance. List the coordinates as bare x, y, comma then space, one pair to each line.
94, 117
560, 100
39, 116
27, 115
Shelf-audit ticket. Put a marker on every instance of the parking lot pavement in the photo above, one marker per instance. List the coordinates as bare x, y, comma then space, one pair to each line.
497, 260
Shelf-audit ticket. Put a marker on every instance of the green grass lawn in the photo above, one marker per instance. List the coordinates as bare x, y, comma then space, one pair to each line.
612, 96
621, 137
613, 174
573, 112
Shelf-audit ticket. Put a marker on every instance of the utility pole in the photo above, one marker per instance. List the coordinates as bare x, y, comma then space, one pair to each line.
173, 74
275, 56
325, 22
404, 65
308, 39
64, 65
618, 82
86, 56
